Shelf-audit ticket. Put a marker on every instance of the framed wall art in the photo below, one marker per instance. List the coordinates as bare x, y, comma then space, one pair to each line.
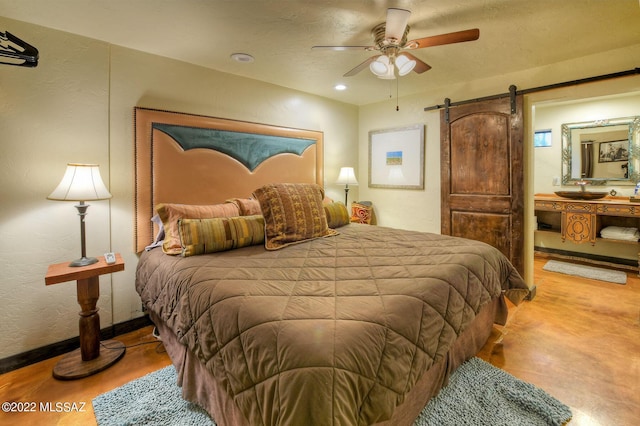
396, 158
542, 138
614, 151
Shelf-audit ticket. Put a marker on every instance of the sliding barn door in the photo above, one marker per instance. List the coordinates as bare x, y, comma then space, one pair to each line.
482, 175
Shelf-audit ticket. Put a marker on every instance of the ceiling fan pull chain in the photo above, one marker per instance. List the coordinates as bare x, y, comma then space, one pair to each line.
397, 90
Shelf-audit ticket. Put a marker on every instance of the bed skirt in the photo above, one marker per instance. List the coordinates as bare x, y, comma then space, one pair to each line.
197, 386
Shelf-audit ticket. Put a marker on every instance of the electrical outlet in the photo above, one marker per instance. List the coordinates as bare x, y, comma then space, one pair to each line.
556, 181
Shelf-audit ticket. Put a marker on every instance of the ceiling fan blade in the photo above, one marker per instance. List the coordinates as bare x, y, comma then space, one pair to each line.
397, 20
362, 66
449, 38
420, 65
340, 48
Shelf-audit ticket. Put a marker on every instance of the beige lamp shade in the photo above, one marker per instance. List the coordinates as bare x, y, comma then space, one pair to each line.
81, 182
347, 177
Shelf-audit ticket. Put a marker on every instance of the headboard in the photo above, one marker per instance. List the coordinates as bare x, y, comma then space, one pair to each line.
195, 159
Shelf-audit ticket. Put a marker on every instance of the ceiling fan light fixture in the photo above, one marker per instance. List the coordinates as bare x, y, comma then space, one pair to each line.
381, 66
389, 75
390, 39
405, 65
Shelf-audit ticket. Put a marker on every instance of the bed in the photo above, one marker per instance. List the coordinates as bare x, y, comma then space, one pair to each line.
296, 315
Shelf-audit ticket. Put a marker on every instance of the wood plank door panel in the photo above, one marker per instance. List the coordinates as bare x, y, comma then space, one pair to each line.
478, 163
485, 227
482, 175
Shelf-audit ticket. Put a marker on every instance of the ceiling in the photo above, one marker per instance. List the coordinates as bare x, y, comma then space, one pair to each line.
279, 34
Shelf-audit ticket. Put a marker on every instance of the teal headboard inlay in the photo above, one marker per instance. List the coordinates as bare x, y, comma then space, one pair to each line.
248, 148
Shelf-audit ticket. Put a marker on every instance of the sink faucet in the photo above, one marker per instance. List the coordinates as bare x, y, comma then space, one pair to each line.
583, 184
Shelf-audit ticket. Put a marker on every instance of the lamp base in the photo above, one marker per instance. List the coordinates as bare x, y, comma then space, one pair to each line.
84, 261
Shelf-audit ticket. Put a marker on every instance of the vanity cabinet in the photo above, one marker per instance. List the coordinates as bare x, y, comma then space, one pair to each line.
580, 221
577, 219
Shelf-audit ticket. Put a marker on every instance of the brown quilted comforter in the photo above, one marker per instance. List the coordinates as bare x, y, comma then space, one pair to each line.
334, 331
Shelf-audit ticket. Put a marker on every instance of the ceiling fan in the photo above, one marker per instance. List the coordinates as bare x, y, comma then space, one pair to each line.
390, 39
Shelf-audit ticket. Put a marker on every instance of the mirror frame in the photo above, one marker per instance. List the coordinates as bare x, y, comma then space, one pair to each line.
634, 150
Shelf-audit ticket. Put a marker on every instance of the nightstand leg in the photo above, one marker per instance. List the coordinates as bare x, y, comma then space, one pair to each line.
88, 294
88, 359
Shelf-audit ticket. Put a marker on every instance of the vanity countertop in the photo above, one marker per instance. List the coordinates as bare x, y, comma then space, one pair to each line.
609, 199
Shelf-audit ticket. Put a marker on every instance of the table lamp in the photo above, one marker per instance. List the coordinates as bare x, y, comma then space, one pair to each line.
347, 177
81, 182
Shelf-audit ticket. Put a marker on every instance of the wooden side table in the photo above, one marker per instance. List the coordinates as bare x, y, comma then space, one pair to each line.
88, 359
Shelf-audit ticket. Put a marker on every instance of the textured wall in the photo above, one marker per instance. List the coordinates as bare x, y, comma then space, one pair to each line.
420, 209
183, 87
551, 115
548, 161
77, 106
49, 115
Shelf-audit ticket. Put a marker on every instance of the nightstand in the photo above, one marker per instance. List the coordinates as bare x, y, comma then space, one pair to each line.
88, 359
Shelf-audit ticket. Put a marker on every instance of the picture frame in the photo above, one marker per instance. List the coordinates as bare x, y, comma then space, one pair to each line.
613, 151
396, 157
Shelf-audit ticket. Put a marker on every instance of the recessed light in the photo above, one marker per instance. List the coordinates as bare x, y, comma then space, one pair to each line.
242, 57
340, 87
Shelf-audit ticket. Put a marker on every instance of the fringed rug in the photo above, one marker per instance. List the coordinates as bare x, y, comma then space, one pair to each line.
478, 394
583, 271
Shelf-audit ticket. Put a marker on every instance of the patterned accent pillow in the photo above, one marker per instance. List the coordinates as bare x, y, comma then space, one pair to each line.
171, 213
247, 206
293, 213
200, 236
337, 214
361, 213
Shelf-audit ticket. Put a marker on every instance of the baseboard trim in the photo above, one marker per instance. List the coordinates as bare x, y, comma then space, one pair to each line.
612, 262
45, 352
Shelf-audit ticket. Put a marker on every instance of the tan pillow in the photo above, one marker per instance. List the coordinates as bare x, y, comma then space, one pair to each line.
200, 236
247, 206
337, 214
293, 213
171, 213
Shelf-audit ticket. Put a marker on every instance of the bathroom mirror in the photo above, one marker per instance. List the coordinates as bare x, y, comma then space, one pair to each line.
603, 152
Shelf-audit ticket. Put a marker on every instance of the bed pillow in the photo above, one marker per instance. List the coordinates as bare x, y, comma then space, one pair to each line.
247, 206
293, 213
171, 213
200, 236
361, 213
337, 214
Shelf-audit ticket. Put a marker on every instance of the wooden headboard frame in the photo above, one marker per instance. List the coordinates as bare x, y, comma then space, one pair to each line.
194, 159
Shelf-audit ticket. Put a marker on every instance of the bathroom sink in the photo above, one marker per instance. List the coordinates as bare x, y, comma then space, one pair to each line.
581, 195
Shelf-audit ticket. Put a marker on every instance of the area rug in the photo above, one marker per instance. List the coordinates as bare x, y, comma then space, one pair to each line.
591, 272
477, 394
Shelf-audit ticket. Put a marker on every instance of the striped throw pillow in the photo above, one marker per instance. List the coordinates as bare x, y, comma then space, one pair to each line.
337, 214
200, 236
171, 213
